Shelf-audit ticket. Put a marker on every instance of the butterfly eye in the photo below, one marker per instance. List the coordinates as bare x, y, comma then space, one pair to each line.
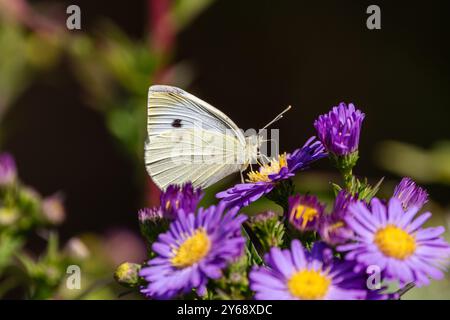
176, 123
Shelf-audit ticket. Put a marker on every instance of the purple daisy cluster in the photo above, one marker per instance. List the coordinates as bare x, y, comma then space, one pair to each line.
352, 246
196, 248
190, 246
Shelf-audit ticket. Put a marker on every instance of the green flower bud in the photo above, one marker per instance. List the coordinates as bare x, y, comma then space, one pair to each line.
127, 274
8, 216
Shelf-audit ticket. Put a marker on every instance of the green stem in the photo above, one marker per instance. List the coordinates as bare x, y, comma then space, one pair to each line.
405, 289
253, 240
345, 166
347, 175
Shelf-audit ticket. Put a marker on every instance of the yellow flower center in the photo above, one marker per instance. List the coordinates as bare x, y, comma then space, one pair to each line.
192, 250
395, 242
273, 167
308, 284
306, 213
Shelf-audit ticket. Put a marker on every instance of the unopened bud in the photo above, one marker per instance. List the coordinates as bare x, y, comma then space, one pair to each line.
53, 209
268, 228
8, 171
8, 216
76, 249
152, 223
127, 274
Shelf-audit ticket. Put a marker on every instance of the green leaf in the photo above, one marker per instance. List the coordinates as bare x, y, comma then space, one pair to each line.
254, 257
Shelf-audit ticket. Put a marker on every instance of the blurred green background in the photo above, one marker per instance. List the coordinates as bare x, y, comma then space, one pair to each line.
73, 102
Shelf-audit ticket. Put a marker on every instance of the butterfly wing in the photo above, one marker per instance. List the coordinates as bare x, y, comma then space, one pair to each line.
189, 140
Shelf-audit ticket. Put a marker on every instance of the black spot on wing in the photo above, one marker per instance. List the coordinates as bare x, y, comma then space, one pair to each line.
176, 123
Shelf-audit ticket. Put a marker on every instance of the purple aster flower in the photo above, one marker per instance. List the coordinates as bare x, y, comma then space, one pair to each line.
305, 212
178, 197
339, 130
265, 179
196, 248
8, 171
410, 194
297, 274
390, 237
333, 229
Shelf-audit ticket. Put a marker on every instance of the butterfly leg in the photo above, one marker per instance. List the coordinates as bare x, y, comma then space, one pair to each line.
242, 176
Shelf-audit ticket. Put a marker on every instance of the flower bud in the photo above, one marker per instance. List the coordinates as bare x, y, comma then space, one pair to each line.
268, 228
127, 274
305, 212
8, 216
177, 197
339, 130
53, 209
8, 172
410, 194
75, 248
152, 223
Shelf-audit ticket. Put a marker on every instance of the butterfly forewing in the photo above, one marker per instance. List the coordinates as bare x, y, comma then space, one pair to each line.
189, 140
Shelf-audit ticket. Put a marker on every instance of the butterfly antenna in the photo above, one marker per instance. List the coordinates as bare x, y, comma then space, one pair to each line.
278, 117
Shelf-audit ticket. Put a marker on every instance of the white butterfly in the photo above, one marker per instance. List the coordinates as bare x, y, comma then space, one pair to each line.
190, 140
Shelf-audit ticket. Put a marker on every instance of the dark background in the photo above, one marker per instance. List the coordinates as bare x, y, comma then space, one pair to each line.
251, 59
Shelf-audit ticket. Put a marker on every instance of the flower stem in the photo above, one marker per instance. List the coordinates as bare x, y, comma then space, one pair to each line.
345, 166
405, 289
347, 175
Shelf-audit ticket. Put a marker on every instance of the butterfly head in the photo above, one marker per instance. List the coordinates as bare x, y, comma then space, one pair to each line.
254, 151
